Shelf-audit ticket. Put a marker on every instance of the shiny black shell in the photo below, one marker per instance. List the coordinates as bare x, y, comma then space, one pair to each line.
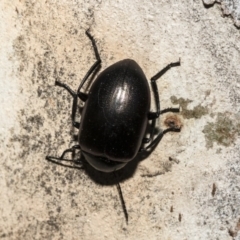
115, 115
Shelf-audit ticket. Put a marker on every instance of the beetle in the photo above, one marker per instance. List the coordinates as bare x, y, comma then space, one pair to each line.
115, 115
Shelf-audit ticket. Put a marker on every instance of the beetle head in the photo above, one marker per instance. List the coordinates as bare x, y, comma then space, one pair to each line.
103, 164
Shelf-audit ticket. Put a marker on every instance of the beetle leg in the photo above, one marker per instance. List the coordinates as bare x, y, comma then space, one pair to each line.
65, 86
79, 94
173, 129
156, 114
74, 105
159, 137
175, 110
94, 67
59, 160
148, 140
72, 149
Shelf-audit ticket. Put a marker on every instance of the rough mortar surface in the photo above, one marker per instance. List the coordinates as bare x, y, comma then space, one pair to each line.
187, 188
229, 8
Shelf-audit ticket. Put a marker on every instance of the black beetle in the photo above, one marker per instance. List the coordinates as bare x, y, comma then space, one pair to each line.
115, 115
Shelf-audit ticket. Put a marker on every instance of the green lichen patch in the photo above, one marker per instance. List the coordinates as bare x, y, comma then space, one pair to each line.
196, 112
223, 131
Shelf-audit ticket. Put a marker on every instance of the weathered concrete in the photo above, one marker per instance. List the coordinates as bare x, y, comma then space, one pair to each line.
194, 196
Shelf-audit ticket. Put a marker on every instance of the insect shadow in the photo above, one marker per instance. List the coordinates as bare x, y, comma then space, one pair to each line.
112, 178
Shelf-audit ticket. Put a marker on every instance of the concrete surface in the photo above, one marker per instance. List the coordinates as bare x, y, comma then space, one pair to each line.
193, 196
230, 8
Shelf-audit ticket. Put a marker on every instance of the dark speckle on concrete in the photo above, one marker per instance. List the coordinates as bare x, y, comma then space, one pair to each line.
196, 112
214, 188
223, 131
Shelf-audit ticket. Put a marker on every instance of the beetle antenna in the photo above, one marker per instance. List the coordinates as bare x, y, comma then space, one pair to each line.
122, 202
